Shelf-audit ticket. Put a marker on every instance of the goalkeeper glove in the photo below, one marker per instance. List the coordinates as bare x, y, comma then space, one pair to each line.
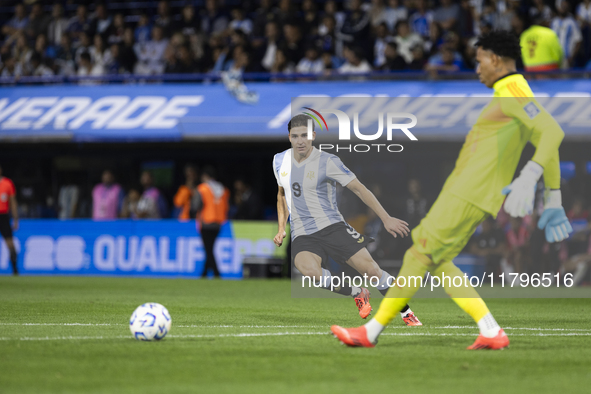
553, 220
521, 192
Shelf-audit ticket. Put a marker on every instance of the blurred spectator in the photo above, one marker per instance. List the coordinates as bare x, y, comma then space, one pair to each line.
116, 31
65, 59
379, 46
213, 212
130, 204
107, 198
568, 33
240, 22
282, 63
143, 29
83, 46
355, 63
247, 201
378, 13
113, 64
447, 15
327, 39
539, 10
188, 24
445, 60
183, 197
503, 15
292, 46
151, 204
38, 22
87, 68
395, 13
270, 45
262, 16
392, 60
356, 26
102, 21
163, 18
466, 19
310, 19
311, 63
489, 243
11, 67
420, 21
68, 199
405, 40
99, 55
151, 54
540, 48
46, 52
17, 23
127, 57
584, 20
418, 59
57, 25
79, 24
213, 20
183, 63
38, 68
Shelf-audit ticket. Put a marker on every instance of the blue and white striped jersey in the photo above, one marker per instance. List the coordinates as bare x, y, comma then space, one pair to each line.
310, 189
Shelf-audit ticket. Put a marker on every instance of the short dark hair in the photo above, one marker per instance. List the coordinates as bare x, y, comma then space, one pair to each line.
209, 170
298, 121
501, 43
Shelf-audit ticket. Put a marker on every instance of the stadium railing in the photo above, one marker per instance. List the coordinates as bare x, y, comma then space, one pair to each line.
278, 77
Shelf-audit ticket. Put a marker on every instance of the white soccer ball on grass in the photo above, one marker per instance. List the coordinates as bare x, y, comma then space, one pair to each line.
150, 322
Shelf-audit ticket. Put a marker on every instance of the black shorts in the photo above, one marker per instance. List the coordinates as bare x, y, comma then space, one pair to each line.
339, 241
5, 228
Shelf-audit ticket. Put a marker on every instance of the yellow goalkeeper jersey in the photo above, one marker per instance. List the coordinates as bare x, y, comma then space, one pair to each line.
491, 152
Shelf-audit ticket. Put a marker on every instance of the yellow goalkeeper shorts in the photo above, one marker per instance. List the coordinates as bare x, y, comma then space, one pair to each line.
447, 228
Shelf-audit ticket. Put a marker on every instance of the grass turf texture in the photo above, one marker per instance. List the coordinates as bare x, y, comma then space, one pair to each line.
221, 342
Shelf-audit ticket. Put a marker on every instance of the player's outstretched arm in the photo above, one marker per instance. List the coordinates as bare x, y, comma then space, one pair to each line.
282, 214
392, 225
547, 135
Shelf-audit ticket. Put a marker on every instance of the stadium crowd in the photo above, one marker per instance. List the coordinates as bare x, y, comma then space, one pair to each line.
283, 36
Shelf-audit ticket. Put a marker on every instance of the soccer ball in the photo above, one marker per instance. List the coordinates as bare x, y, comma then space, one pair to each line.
149, 322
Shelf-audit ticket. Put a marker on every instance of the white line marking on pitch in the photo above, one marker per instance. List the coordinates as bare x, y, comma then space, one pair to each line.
268, 334
294, 326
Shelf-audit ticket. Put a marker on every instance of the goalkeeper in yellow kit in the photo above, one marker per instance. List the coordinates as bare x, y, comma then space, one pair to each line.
476, 189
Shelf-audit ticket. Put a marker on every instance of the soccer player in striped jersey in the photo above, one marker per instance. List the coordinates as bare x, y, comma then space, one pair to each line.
476, 189
307, 180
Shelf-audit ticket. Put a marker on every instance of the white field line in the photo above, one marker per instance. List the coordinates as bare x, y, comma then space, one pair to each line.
296, 326
270, 334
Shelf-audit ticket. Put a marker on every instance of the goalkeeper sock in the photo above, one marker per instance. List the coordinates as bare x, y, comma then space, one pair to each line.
405, 311
374, 328
488, 326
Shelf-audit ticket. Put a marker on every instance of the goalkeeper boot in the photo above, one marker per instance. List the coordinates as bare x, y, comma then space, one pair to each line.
354, 337
411, 320
362, 301
500, 341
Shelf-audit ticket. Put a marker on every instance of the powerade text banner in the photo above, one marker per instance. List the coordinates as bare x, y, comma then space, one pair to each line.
153, 248
173, 112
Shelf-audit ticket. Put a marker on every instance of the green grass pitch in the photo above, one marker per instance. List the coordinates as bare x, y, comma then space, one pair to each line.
71, 335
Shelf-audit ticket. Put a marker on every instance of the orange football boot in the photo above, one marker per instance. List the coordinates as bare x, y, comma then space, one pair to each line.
501, 341
355, 337
411, 320
362, 301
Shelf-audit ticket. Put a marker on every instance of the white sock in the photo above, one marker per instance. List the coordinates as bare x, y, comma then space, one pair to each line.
383, 283
488, 326
374, 329
355, 291
402, 314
